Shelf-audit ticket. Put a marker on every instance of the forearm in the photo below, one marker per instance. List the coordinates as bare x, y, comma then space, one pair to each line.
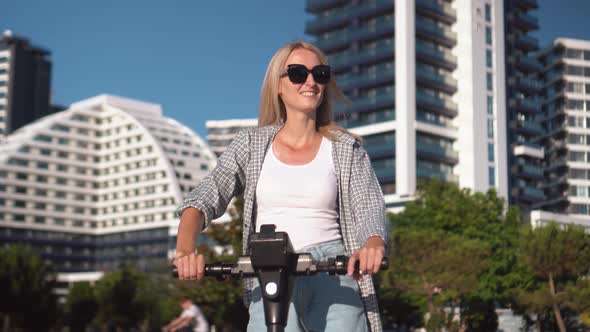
191, 223
180, 322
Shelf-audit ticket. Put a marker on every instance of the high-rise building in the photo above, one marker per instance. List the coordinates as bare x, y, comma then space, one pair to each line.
524, 106
25, 80
222, 132
566, 94
427, 80
96, 185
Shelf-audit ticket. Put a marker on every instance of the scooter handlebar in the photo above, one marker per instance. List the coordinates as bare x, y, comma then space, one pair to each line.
305, 266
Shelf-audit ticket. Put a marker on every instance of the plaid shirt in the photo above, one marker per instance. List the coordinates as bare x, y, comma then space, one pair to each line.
361, 205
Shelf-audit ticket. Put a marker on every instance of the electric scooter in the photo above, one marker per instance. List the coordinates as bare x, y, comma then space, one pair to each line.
273, 261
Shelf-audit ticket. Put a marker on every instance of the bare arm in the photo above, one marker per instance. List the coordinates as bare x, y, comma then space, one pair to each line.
190, 265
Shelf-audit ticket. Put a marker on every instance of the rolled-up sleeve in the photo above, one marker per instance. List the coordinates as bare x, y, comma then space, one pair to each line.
367, 200
213, 194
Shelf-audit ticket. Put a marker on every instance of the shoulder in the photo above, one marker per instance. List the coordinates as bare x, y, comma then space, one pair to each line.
346, 139
254, 132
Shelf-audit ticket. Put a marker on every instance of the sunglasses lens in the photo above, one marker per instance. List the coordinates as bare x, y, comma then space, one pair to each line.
321, 74
297, 74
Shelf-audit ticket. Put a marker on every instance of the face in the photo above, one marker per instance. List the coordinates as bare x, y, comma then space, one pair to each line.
306, 96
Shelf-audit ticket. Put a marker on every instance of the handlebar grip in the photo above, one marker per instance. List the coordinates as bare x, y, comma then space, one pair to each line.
211, 270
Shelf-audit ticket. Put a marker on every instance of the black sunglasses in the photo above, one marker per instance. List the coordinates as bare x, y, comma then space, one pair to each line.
298, 73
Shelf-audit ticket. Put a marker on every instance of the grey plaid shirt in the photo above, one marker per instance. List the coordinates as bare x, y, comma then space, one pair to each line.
361, 205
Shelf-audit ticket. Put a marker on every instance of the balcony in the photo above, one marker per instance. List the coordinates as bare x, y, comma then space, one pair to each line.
428, 174
316, 6
382, 100
436, 104
529, 128
527, 43
342, 38
363, 57
422, 118
366, 80
440, 11
528, 84
528, 65
532, 194
436, 81
435, 152
380, 149
525, 21
380, 117
434, 32
442, 58
343, 16
530, 171
528, 106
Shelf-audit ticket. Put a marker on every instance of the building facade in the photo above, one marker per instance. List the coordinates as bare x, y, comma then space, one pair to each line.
566, 103
220, 133
25, 81
427, 80
96, 186
523, 103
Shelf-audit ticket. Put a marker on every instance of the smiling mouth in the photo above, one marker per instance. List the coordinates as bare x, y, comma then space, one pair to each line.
309, 94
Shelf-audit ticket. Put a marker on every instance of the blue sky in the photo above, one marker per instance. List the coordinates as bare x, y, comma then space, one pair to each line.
200, 60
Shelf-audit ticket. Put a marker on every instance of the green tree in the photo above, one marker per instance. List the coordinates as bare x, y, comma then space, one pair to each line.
482, 217
81, 306
436, 265
559, 256
26, 284
121, 299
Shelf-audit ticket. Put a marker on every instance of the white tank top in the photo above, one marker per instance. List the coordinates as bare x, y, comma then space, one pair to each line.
300, 200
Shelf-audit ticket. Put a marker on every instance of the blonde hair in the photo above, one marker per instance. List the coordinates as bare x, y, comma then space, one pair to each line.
272, 108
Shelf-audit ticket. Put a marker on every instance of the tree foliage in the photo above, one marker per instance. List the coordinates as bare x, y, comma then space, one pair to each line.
81, 306
559, 256
482, 219
26, 285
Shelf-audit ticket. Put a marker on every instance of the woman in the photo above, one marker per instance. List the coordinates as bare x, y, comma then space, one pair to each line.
311, 178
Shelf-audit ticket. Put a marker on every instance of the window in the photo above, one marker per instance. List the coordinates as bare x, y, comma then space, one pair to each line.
489, 58
488, 12
491, 152
573, 54
490, 105
489, 81
491, 176
490, 128
489, 35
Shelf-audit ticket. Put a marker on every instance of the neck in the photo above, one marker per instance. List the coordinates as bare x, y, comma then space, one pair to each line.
300, 128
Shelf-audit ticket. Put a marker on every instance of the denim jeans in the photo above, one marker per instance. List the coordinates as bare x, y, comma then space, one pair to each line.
319, 302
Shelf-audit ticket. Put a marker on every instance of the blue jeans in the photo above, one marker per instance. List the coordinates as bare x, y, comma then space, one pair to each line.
319, 302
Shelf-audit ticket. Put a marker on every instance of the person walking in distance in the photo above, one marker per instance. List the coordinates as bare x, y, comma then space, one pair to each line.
190, 320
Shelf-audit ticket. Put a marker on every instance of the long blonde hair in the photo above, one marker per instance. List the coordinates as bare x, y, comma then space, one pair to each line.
272, 108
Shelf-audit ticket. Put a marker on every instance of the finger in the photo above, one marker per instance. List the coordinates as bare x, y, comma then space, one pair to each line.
370, 260
363, 261
193, 266
180, 267
186, 268
378, 258
200, 267
351, 261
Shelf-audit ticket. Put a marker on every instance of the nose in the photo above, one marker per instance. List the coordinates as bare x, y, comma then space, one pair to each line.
309, 80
